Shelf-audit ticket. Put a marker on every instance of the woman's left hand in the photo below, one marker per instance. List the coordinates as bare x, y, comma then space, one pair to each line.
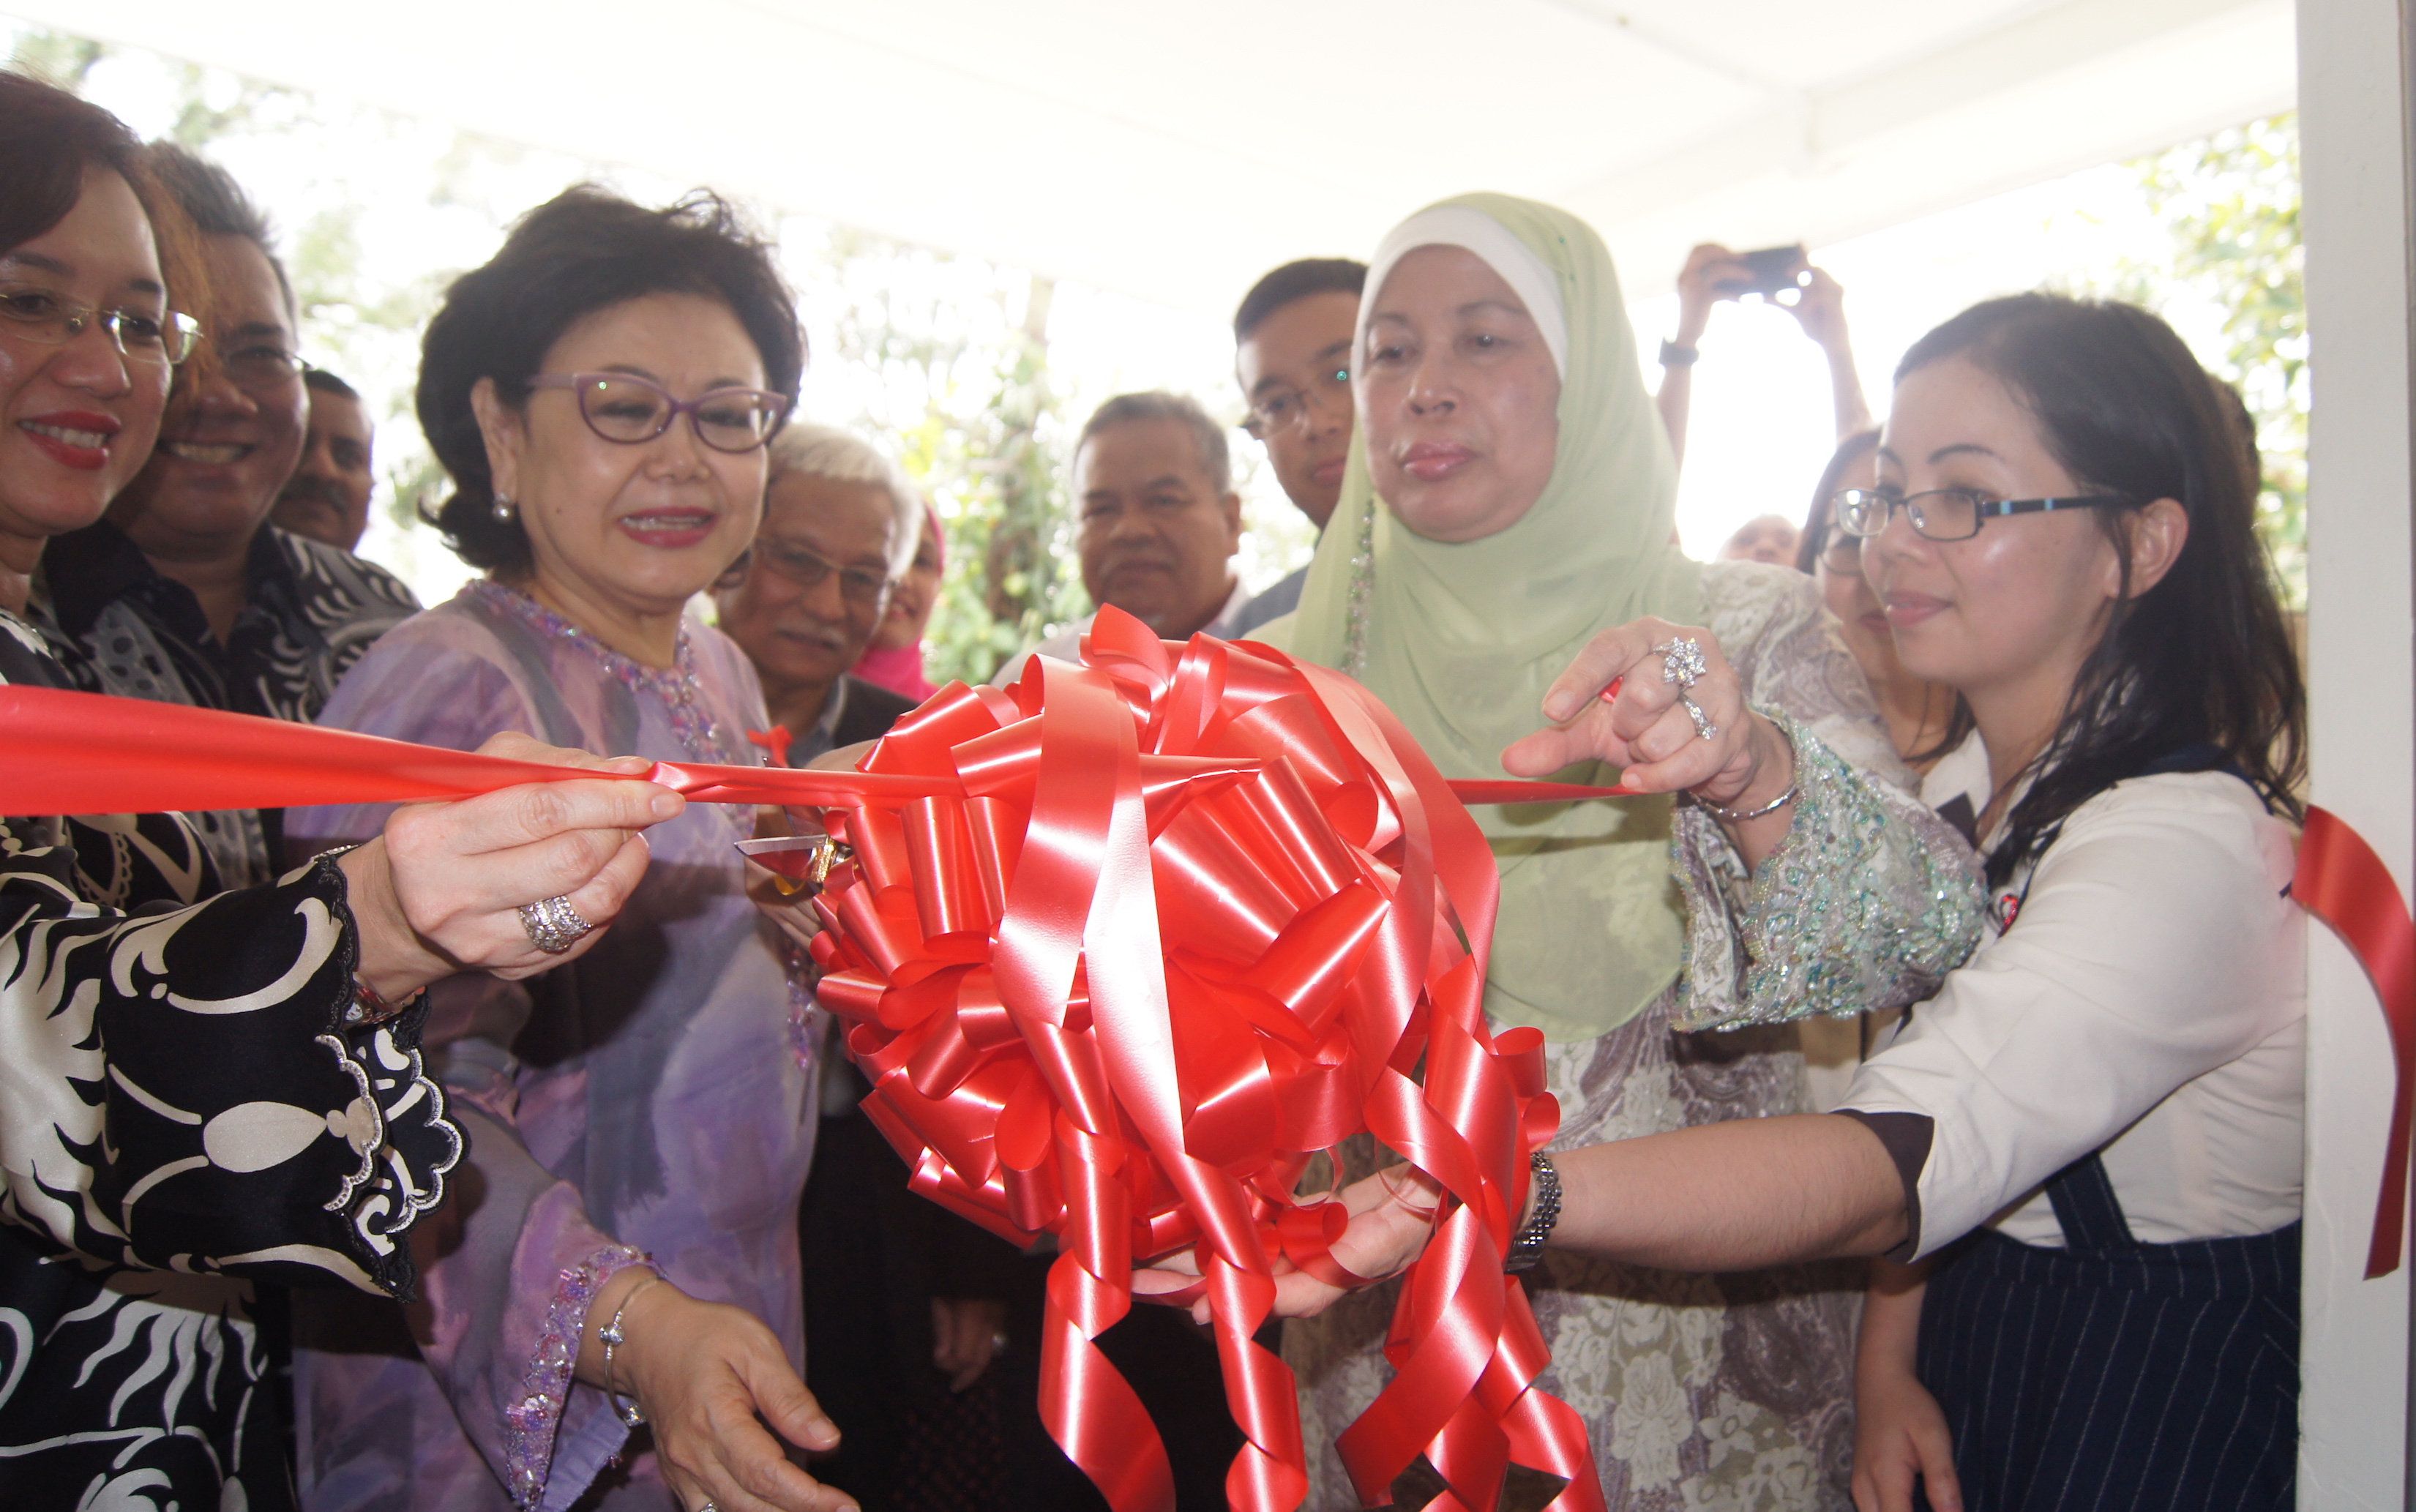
709, 1378
1721, 752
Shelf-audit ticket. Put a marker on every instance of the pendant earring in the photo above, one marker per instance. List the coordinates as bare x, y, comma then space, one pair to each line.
503, 509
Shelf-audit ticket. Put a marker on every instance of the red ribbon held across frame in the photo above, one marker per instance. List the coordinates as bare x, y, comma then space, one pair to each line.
1121, 949
2342, 882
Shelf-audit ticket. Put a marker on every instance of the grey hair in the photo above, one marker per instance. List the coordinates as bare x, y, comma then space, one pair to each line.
827, 451
1127, 409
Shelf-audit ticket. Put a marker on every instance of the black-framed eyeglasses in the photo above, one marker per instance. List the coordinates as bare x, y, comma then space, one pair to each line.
1281, 409
1948, 514
33, 313
628, 409
808, 568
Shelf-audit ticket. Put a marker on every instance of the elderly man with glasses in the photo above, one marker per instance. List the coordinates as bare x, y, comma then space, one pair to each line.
184, 593
839, 528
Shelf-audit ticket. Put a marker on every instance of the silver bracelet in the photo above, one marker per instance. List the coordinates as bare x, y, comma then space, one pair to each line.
1794, 787
1528, 1247
612, 1338
1794, 791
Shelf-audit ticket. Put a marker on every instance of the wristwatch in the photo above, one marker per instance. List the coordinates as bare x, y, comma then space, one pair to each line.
1674, 355
1528, 1247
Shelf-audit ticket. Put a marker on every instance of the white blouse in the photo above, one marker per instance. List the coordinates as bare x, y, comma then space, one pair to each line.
2152, 996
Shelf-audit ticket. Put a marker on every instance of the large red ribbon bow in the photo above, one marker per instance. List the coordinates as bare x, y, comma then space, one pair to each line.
1197, 914
2342, 882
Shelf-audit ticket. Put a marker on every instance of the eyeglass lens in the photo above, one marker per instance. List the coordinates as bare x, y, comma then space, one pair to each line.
1940, 514
810, 569
39, 315
631, 410
262, 369
1288, 407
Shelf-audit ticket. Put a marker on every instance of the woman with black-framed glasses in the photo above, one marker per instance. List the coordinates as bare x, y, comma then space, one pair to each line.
601, 393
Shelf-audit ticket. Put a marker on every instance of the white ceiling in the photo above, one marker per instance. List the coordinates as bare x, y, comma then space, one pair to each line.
1176, 151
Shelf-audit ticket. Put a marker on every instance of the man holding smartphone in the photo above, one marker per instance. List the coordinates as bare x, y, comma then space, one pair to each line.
1781, 275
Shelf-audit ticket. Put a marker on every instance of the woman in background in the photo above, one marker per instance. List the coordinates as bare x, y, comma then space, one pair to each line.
896, 658
601, 393
1917, 712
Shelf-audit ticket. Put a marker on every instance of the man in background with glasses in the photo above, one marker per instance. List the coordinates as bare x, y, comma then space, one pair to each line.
1291, 340
183, 593
839, 528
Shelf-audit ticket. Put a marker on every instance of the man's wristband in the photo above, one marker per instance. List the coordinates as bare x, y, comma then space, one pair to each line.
1674, 355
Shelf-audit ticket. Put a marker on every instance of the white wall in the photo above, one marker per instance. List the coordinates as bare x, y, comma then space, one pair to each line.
2354, 140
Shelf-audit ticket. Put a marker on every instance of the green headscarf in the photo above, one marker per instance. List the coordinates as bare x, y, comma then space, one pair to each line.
1463, 640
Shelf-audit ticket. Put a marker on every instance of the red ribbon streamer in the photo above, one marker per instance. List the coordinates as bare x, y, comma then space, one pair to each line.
1199, 913
89, 753
2341, 881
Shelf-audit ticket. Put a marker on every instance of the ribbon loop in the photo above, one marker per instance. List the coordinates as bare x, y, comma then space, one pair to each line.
1229, 910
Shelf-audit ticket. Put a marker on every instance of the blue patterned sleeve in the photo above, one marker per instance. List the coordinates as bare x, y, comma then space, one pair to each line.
1871, 899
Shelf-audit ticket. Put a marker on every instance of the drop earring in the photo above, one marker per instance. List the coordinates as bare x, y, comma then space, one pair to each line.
503, 509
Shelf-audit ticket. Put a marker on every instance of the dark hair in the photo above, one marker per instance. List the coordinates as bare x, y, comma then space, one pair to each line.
328, 383
1296, 280
215, 202
2204, 656
584, 250
1129, 409
48, 139
1819, 523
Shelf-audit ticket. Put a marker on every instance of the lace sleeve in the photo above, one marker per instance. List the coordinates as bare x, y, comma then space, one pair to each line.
1871, 899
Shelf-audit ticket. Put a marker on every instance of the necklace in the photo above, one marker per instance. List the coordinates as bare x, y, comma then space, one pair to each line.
1363, 585
676, 686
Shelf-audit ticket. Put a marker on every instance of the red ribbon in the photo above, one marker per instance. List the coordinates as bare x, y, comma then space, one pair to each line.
1254, 922
1200, 913
2342, 882
88, 753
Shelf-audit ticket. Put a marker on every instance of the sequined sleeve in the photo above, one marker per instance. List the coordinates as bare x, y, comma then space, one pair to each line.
1871, 899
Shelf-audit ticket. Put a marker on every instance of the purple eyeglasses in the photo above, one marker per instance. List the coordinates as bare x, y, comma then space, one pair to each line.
623, 407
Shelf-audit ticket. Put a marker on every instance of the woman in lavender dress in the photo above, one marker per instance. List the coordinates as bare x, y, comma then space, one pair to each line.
640, 1122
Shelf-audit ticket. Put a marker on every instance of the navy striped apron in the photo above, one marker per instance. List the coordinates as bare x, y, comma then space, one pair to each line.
2116, 1374
2112, 1374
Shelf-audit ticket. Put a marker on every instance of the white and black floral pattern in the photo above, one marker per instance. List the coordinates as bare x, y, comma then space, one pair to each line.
188, 1105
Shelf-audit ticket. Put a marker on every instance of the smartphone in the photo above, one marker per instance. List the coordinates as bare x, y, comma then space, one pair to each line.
1771, 269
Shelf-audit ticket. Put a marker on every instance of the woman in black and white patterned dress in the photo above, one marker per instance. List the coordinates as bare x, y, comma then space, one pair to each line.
199, 1088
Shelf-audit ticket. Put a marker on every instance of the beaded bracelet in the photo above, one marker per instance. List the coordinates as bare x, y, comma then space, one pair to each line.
1528, 1247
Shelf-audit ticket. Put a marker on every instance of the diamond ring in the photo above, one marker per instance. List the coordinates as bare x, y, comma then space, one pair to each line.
552, 925
1703, 725
1681, 660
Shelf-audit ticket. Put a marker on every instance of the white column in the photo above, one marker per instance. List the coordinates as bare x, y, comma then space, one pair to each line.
2354, 141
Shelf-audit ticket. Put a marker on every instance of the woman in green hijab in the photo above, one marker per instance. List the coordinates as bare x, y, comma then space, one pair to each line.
1511, 496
